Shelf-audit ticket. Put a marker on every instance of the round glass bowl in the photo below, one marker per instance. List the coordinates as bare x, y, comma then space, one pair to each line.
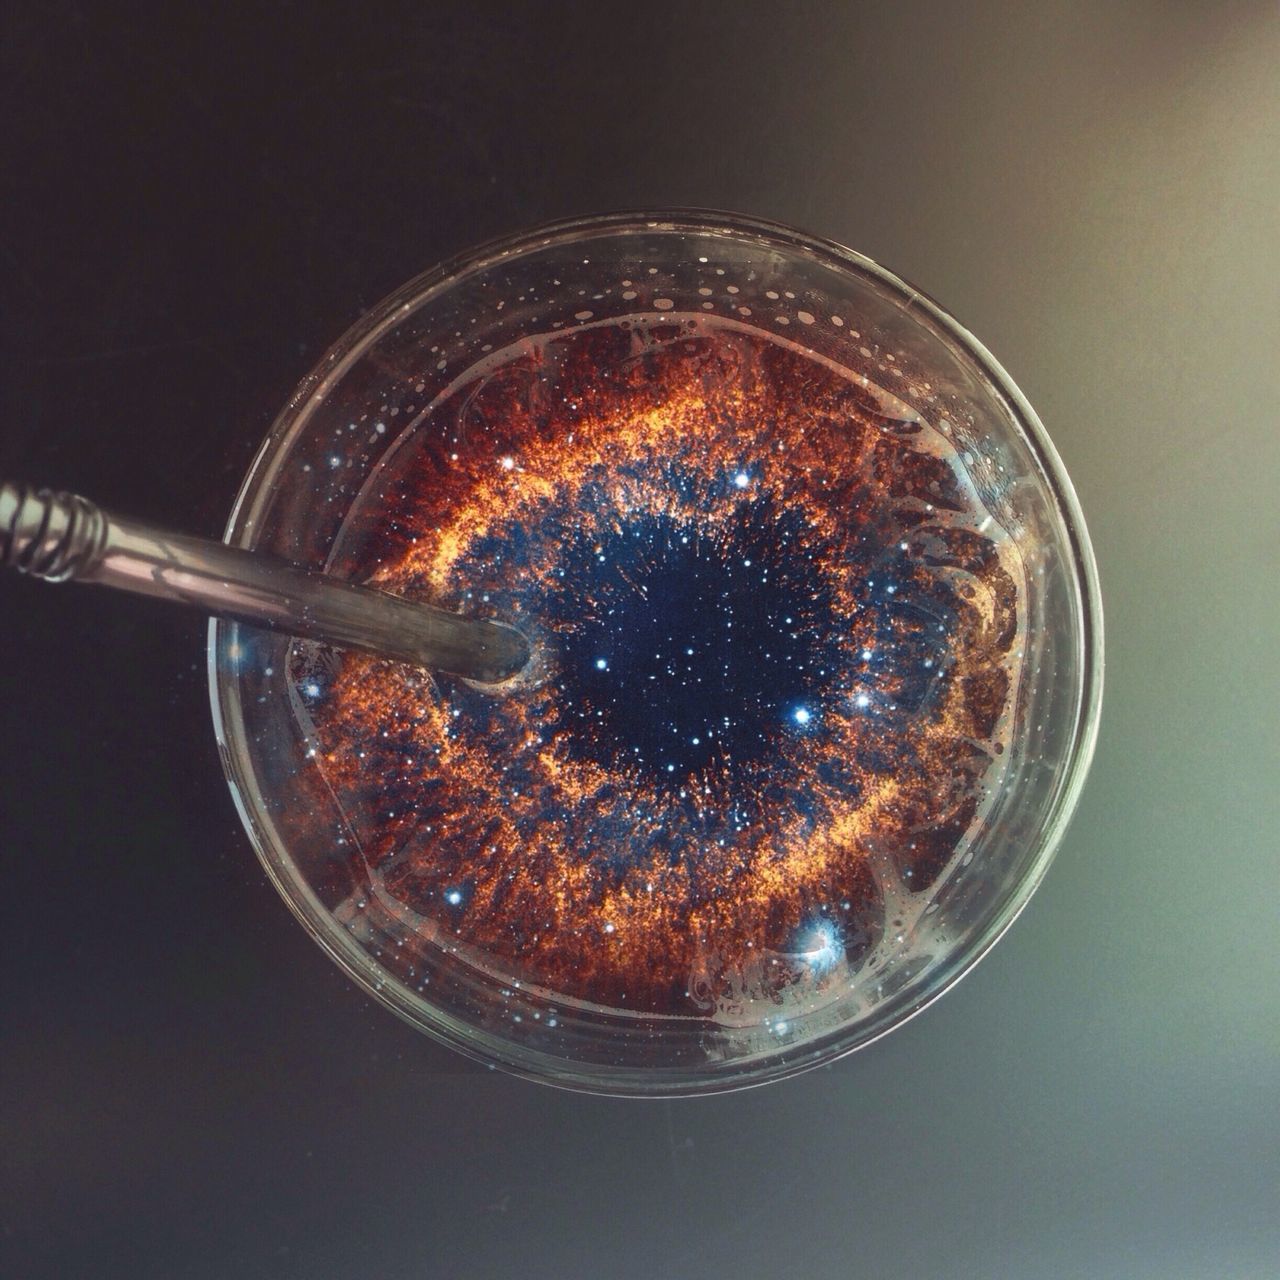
988, 547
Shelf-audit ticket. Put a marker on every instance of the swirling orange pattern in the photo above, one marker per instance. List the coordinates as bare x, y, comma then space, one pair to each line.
654, 484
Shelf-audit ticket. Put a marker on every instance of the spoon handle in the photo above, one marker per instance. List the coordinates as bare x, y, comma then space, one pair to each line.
63, 537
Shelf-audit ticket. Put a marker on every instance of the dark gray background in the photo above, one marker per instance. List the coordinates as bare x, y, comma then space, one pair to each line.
195, 203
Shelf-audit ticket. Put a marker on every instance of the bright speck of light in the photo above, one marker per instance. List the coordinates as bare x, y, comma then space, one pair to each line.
862, 700
802, 715
866, 655
508, 463
602, 664
311, 689
453, 897
821, 947
742, 480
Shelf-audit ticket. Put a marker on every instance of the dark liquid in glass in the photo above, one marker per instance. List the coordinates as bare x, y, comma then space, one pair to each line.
778, 639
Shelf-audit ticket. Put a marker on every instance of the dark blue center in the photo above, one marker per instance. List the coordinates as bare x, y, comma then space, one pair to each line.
684, 649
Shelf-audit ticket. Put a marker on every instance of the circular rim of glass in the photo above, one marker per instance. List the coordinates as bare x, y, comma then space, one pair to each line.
641, 1081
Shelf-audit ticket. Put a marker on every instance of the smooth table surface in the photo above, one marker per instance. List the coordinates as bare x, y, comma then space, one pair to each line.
194, 205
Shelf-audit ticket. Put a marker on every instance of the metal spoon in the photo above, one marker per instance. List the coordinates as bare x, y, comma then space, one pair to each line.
62, 537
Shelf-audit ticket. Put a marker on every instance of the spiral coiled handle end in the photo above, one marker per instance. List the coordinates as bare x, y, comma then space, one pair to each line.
54, 536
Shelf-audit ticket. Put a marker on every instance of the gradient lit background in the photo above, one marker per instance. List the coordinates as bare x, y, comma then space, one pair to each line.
193, 205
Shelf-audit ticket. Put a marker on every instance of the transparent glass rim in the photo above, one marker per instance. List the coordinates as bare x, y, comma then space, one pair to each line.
640, 1081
